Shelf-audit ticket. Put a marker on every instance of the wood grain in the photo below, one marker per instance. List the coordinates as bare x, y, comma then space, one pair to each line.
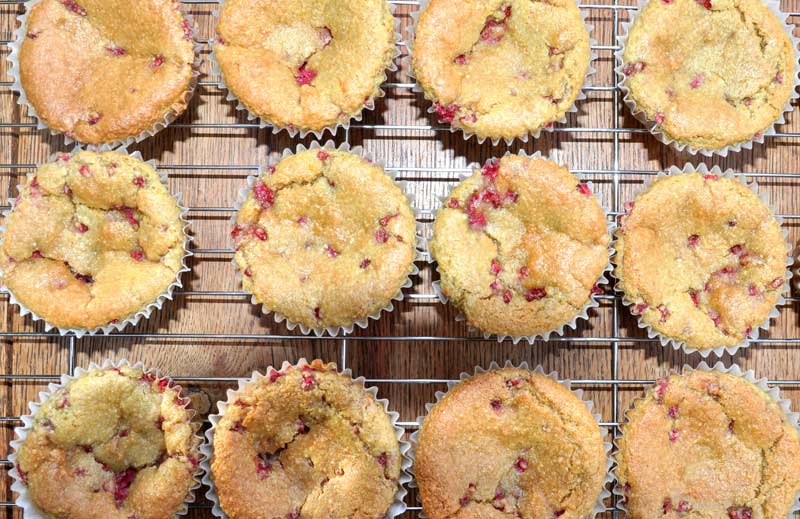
420, 340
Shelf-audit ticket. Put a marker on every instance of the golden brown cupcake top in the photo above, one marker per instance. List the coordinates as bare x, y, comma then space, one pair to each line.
701, 259
520, 246
304, 64
91, 73
92, 239
501, 68
111, 444
509, 443
709, 73
325, 238
708, 444
305, 442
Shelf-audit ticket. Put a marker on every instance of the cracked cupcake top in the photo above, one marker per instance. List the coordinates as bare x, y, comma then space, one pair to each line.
325, 238
305, 442
701, 259
709, 73
112, 444
708, 444
520, 246
501, 68
509, 443
305, 64
92, 239
91, 74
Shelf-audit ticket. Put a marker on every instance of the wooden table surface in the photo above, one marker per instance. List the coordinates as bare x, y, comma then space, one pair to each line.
412, 351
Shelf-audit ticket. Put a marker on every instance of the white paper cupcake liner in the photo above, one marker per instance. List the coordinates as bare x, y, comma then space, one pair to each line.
24, 501
333, 331
587, 82
774, 313
144, 312
293, 132
654, 128
750, 376
22, 100
397, 508
593, 301
600, 506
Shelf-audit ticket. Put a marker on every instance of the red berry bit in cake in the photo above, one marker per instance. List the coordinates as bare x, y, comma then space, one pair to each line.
453, 204
740, 512
697, 81
631, 69
495, 267
138, 181
381, 236
673, 412
187, 30
263, 195
323, 155
507, 296
674, 435
365, 263
305, 75
137, 254
584, 189
94, 118
461, 59
331, 252
535, 294
521, 465
158, 60
493, 32
693, 241
446, 114
81, 228
32, 35
116, 51
491, 169
74, 7
263, 469
664, 313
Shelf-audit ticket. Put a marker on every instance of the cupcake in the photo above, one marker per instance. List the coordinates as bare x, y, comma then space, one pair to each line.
87, 71
701, 260
93, 239
509, 442
114, 443
305, 441
305, 65
501, 68
520, 246
708, 444
325, 239
708, 73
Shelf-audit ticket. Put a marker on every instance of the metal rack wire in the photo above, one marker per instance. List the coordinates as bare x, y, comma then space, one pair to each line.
614, 174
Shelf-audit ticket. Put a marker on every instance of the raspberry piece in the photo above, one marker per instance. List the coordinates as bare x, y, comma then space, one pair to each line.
693, 241
521, 465
446, 114
704, 3
37, 255
187, 30
453, 203
94, 118
710, 177
491, 169
477, 220
122, 483
137, 254
779, 78
584, 189
737, 249
695, 297
659, 115
74, 7
634, 68
596, 290
469, 118
732, 223
263, 469
116, 51
496, 405
776, 283
305, 75
740, 512
138, 181
86, 278
331, 251
264, 195
381, 236
461, 59
683, 507
294, 514
512, 196
674, 435
524, 272
673, 412
507, 296
664, 313
317, 314
325, 36
323, 155
127, 212
274, 375
535, 294
493, 32
496, 268
666, 507
383, 222
157, 61
32, 35
81, 228
365, 263
260, 233
715, 317
640, 308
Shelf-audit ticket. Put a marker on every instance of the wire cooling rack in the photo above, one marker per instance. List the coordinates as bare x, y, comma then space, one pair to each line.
418, 348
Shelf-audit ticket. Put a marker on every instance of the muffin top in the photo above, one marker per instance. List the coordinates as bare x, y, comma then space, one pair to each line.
111, 444
96, 77
520, 246
305, 442
325, 238
509, 441
92, 239
708, 444
709, 73
501, 68
701, 259
304, 64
